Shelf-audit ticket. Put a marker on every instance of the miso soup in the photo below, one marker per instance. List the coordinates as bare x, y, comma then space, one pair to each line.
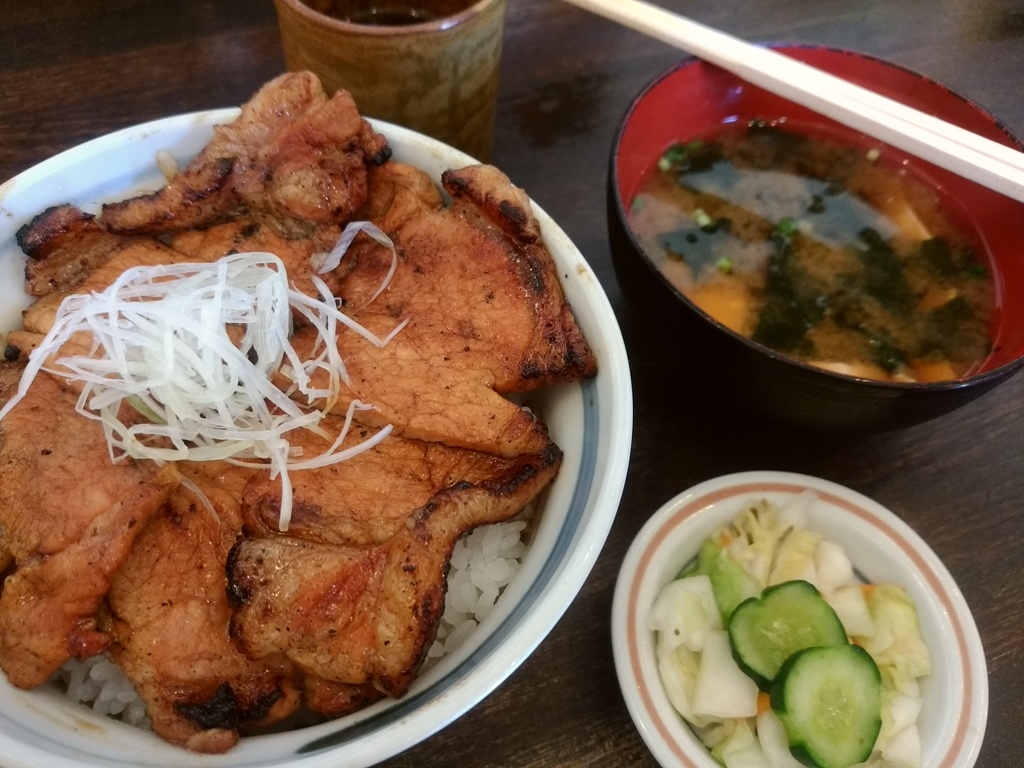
819, 251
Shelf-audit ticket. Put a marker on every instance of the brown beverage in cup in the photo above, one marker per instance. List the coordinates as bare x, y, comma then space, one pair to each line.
429, 65
387, 13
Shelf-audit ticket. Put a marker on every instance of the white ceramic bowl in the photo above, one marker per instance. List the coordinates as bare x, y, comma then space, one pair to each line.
590, 421
883, 549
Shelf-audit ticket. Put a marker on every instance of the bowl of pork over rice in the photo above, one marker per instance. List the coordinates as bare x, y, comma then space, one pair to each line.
243, 546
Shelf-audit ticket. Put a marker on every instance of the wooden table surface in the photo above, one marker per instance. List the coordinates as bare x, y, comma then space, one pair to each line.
71, 70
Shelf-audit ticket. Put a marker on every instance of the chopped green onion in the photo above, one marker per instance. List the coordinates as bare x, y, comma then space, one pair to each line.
786, 227
674, 154
678, 154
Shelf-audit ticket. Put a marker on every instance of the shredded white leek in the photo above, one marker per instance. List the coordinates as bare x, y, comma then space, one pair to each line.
327, 262
194, 347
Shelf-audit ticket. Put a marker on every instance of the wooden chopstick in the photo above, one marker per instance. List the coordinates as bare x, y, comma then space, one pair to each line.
967, 154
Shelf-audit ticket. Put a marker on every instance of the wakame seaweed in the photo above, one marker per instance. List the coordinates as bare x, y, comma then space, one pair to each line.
883, 273
938, 257
698, 246
815, 250
787, 313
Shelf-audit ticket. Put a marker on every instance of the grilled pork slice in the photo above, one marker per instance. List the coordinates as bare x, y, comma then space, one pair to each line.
314, 171
130, 252
63, 244
364, 500
398, 194
70, 254
168, 614
293, 155
366, 615
204, 191
336, 699
69, 518
246, 235
553, 347
10, 377
487, 317
39, 318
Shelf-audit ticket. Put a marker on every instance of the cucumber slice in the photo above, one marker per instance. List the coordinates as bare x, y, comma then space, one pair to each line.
787, 618
829, 702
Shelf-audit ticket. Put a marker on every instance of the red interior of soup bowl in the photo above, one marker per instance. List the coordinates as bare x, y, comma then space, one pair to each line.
695, 99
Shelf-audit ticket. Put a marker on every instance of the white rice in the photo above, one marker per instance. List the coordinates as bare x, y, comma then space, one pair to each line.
100, 683
482, 565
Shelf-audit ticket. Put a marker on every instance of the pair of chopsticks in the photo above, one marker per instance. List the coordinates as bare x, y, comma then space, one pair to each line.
946, 145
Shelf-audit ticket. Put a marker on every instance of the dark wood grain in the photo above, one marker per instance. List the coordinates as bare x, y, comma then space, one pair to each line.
71, 70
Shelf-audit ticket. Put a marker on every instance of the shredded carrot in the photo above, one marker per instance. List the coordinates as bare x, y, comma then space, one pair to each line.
867, 590
724, 539
764, 702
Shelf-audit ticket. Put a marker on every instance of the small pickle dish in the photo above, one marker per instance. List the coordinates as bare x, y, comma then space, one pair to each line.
826, 542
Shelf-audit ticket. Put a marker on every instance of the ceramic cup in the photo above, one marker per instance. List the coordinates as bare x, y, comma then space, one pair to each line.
429, 65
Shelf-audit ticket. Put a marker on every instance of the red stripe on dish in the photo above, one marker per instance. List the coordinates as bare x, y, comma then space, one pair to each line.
696, 505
